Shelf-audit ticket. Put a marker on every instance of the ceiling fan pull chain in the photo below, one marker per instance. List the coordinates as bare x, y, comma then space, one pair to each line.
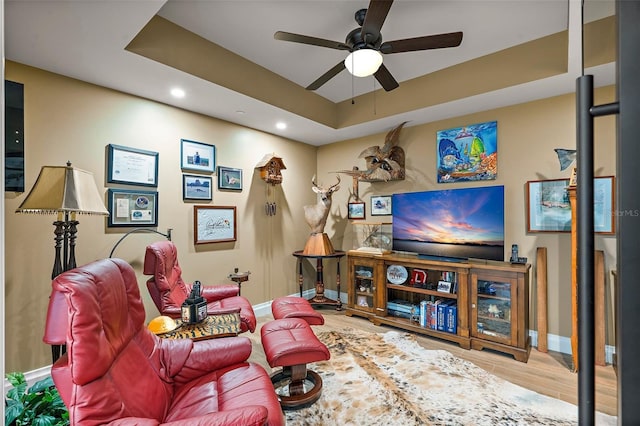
352, 84
374, 96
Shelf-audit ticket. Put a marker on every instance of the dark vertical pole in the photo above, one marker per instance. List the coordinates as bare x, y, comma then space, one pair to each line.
584, 195
628, 212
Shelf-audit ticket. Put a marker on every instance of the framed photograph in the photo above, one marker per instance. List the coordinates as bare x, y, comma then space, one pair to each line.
132, 208
196, 187
229, 178
131, 166
214, 224
356, 211
380, 205
549, 209
197, 156
444, 287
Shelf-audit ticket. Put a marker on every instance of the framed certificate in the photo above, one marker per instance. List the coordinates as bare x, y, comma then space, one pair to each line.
132, 166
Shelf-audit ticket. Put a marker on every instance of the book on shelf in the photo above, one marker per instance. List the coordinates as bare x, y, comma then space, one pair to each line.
451, 319
441, 315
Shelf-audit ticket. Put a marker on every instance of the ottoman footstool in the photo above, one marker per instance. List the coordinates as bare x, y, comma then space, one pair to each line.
295, 307
291, 344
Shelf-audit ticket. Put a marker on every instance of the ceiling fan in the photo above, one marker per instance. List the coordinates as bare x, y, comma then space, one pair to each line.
365, 46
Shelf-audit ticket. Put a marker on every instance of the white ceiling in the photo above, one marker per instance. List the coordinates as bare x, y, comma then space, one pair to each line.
85, 39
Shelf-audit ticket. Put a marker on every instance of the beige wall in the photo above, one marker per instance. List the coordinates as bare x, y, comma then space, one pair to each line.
527, 135
69, 120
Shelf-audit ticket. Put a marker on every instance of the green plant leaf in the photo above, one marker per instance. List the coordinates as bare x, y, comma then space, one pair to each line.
41, 385
12, 412
39, 405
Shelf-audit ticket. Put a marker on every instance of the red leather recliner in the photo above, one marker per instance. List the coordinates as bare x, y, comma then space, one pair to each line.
117, 372
168, 290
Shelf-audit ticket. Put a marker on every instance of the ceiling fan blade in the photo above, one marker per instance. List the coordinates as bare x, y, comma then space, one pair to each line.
385, 78
437, 41
298, 38
327, 76
374, 18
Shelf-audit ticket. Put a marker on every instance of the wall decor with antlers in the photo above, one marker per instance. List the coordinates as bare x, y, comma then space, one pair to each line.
316, 216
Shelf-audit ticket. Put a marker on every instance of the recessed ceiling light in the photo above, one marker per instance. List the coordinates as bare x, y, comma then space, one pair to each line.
280, 125
177, 93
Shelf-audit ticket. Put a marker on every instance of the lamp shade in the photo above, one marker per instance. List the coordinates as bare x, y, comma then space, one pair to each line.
363, 62
63, 189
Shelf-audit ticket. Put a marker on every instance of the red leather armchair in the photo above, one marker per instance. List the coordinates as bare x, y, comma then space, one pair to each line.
117, 372
168, 290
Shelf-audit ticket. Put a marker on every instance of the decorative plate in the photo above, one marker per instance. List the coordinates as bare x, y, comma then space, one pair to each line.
397, 274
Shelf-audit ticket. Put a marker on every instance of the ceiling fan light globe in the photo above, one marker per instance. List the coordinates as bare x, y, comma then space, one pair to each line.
363, 62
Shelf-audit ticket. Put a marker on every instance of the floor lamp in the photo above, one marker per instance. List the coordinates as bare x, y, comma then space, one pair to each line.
65, 191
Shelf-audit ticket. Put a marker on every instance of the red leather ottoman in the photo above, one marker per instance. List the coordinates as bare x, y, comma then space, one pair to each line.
291, 344
296, 307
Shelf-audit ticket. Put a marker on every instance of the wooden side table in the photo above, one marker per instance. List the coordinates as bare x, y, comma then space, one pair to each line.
211, 327
319, 298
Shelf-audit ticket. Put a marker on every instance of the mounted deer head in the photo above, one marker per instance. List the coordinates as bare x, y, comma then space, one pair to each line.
316, 214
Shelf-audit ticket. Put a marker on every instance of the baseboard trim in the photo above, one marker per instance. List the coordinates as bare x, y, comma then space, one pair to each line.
563, 345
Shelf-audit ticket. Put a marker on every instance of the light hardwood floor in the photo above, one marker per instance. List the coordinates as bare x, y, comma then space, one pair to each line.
546, 373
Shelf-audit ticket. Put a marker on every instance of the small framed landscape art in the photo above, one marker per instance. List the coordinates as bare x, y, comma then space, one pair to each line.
549, 208
356, 211
380, 205
197, 156
132, 208
214, 224
196, 187
229, 178
131, 166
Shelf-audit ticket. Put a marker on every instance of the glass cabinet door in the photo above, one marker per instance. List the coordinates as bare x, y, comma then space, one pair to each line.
493, 309
364, 287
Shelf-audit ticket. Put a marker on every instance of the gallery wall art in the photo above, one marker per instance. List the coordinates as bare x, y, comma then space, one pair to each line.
468, 153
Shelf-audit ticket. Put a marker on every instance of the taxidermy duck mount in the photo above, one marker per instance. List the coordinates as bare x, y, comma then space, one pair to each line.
383, 163
316, 216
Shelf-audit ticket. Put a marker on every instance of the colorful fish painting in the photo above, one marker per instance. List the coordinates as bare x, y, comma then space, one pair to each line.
468, 153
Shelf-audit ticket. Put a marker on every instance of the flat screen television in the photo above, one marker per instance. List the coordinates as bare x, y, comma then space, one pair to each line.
452, 224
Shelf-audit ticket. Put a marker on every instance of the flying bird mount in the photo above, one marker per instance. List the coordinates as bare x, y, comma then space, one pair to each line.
368, 37
384, 163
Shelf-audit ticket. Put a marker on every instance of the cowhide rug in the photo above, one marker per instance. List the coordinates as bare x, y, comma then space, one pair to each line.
389, 379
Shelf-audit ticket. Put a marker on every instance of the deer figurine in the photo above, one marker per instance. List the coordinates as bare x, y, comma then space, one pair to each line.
316, 214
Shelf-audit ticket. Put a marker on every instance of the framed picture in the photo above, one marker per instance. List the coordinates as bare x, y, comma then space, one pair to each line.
468, 153
196, 187
356, 211
380, 205
132, 208
549, 209
444, 287
604, 205
214, 224
131, 166
229, 178
197, 156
